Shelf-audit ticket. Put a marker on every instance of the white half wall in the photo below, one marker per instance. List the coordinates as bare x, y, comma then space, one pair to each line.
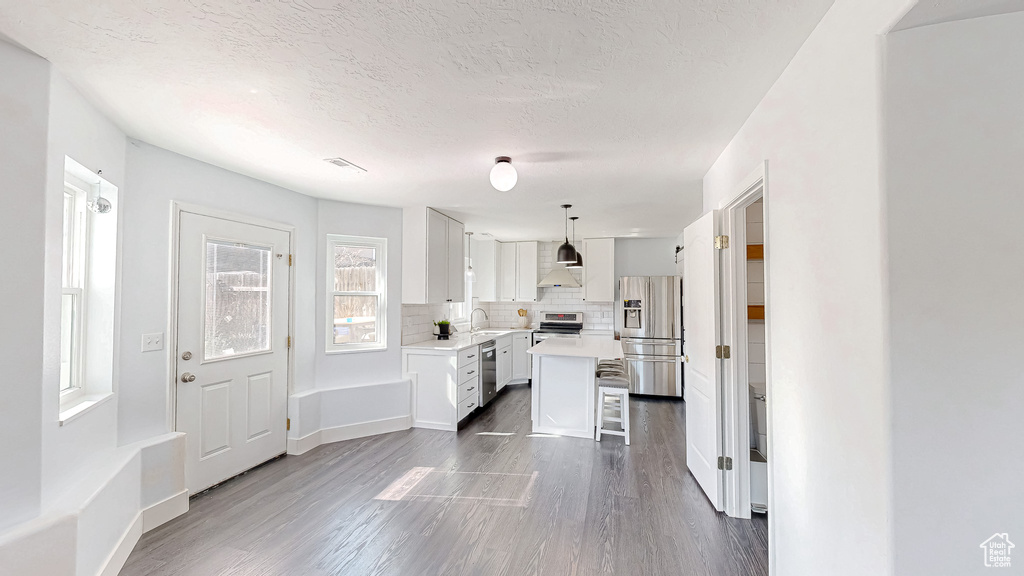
332, 415
955, 139
820, 129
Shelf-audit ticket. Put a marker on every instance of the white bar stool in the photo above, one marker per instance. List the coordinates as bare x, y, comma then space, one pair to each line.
616, 389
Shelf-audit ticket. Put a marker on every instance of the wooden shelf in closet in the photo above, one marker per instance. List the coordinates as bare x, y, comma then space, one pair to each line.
755, 312
755, 251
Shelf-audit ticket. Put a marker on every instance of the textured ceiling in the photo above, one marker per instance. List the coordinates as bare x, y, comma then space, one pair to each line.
928, 12
616, 106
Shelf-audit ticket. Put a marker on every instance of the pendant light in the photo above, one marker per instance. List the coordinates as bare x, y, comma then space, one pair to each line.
579, 257
503, 174
470, 275
566, 252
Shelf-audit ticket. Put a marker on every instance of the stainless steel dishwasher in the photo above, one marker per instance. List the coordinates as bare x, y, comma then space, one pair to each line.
489, 369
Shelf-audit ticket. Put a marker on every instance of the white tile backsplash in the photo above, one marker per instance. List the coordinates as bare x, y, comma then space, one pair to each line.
418, 320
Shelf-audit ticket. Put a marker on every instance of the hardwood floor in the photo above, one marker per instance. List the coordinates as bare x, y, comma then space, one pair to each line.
491, 499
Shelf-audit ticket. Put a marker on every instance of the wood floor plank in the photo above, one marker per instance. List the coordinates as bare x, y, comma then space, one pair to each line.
491, 499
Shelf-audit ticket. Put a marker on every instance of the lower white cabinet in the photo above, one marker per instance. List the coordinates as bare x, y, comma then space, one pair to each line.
504, 361
445, 385
522, 363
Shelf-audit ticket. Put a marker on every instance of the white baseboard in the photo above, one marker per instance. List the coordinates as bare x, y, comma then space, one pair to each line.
302, 445
123, 549
163, 511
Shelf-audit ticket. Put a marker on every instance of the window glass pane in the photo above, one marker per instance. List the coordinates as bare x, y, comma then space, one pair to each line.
67, 341
355, 319
355, 269
69, 239
237, 316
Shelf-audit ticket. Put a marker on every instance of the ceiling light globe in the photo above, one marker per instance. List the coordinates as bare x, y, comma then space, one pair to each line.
503, 175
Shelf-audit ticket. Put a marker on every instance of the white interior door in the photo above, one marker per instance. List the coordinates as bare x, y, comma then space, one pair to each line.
701, 300
231, 352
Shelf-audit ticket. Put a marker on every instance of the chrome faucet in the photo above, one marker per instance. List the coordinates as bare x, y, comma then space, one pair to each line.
471, 329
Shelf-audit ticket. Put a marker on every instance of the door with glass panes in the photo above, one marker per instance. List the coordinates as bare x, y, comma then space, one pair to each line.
231, 352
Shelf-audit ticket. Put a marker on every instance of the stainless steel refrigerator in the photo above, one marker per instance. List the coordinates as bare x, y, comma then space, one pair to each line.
649, 321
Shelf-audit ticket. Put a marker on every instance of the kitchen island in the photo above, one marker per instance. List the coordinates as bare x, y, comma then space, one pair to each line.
564, 386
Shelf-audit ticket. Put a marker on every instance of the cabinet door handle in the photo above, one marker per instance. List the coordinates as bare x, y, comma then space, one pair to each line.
471, 356
470, 372
471, 388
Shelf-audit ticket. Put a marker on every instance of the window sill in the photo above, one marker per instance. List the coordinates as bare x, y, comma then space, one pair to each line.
83, 405
356, 350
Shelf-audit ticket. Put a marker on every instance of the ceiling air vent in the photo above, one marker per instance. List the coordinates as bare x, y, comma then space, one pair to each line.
345, 165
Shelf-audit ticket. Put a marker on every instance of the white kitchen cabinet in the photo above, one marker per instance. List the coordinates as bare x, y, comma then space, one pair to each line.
522, 366
433, 256
503, 366
456, 261
517, 272
439, 377
484, 258
599, 269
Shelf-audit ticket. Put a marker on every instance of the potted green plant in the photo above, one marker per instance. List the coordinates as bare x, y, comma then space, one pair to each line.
442, 329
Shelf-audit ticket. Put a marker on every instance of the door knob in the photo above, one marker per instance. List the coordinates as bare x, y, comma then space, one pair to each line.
686, 359
188, 377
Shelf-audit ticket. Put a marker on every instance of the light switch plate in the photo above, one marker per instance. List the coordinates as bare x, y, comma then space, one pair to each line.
151, 342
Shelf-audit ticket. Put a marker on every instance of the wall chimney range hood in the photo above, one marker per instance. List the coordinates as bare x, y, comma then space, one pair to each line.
560, 276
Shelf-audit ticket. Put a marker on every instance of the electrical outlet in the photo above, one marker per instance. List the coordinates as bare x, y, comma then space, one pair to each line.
151, 342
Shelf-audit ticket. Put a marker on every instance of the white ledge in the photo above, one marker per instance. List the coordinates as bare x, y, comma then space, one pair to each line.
86, 404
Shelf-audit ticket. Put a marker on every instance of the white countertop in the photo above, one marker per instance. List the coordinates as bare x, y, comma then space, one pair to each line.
585, 346
462, 340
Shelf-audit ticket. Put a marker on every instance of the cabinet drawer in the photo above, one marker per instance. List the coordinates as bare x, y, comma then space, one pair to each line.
468, 372
466, 406
470, 389
469, 355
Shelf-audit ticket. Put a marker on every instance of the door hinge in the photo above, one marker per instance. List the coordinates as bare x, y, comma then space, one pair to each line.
289, 342
721, 242
722, 352
288, 424
289, 259
724, 463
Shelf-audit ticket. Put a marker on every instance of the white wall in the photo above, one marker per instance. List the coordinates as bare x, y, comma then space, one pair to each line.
23, 133
76, 130
819, 127
337, 370
955, 139
155, 177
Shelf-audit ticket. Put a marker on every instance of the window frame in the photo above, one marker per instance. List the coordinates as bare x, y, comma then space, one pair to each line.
74, 282
380, 245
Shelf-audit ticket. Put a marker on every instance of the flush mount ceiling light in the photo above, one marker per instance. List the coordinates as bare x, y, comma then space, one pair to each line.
470, 275
579, 257
503, 175
345, 165
566, 252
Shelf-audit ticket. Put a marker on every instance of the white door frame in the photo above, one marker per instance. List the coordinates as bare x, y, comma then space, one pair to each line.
736, 401
177, 208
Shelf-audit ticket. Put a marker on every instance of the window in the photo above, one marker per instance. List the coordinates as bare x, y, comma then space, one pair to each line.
72, 307
89, 272
356, 293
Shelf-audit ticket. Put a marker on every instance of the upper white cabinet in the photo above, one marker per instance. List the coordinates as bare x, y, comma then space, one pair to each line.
485, 264
517, 271
599, 269
433, 256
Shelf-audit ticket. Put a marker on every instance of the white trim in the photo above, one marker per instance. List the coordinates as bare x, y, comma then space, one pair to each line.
164, 511
735, 416
83, 405
380, 245
302, 445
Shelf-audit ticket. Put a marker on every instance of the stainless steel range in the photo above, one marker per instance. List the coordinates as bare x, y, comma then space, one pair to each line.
558, 325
